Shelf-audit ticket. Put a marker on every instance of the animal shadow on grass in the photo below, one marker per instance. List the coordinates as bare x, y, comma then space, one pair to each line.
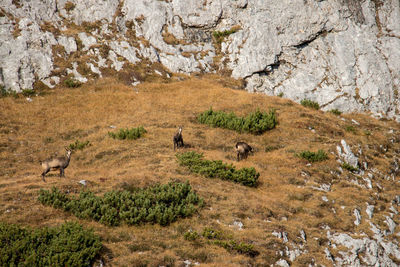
188, 145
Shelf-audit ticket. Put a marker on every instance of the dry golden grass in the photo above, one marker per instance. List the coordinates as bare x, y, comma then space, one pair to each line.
284, 200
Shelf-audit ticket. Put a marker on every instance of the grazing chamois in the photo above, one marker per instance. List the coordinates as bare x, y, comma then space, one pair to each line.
178, 139
242, 150
56, 163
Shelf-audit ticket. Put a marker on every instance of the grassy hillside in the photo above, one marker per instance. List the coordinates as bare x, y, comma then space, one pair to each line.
285, 199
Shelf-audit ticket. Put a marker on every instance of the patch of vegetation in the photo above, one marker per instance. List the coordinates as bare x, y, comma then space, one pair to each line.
6, 93
66, 245
17, 3
210, 233
309, 104
272, 148
242, 248
351, 129
300, 196
78, 145
191, 235
335, 111
367, 132
348, 167
217, 238
48, 140
72, 83
160, 204
280, 94
256, 123
218, 169
220, 35
69, 6
131, 134
28, 92
320, 155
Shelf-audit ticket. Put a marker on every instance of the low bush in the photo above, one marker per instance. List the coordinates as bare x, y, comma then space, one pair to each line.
256, 123
320, 155
28, 92
69, 6
78, 145
210, 233
131, 134
242, 248
218, 169
350, 128
220, 35
191, 235
160, 204
6, 93
66, 245
309, 104
335, 112
218, 238
348, 167
72, 83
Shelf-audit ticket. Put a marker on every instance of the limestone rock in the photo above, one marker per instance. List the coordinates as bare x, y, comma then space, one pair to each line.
370, 210
342, 54
358, 217
346, 154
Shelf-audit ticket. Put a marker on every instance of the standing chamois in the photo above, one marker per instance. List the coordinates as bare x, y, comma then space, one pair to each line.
242, 150
56, 163
178, 139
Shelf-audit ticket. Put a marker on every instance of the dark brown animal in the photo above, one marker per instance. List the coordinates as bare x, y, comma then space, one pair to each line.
56, 163
242, 150
178, 139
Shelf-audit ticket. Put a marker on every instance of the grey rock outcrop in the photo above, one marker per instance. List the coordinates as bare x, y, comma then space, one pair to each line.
343, 54
365, 251
345, 154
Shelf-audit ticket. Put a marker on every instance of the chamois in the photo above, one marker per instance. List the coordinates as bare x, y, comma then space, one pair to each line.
242, 150
56, 163
178, 139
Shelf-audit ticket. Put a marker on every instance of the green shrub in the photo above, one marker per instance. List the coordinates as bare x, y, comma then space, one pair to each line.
131, 134
218, 238
28, 92
220, 35
350, 128
5, 93
242, 248
69, 6
367, 132
72, 83
66, 245
255, 123
335, 111
320, 155
210, 233
218, 169
309, 104
78, 145
191, 235
348, 167
160, 204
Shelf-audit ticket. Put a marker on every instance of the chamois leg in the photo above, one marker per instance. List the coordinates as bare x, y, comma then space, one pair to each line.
44, 173
61, 172
181, 141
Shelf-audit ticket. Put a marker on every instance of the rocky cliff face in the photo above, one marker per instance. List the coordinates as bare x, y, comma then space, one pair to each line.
343, 54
